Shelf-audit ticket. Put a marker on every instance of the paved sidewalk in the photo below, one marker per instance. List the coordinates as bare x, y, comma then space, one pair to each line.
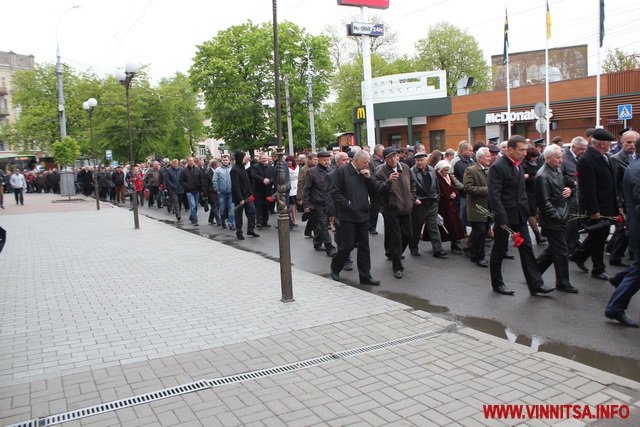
92, 311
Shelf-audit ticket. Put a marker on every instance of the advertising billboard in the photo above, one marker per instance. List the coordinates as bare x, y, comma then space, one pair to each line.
528, 68
376, 4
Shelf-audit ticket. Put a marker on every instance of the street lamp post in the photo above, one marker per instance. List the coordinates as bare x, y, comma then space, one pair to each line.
59, 75
125, 78
284, 244
89, 105
312, 124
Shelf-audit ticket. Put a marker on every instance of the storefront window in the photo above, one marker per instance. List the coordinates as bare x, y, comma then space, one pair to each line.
436, 140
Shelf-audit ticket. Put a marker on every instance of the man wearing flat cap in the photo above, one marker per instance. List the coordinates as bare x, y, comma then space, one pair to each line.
425, 209
597, 198
398, 193
314, 201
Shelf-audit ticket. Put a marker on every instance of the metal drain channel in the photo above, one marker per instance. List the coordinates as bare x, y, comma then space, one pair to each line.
205, 384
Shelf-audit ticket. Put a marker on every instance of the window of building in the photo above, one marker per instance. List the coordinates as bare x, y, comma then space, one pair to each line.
417, 137
394, 140
202, 151
436, 140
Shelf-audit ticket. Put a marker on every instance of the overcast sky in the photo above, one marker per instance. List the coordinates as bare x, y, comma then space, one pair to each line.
104, 35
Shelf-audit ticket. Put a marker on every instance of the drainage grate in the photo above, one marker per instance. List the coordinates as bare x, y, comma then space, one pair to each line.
205, 384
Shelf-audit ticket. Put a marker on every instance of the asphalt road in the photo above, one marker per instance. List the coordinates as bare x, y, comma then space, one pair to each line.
570, 325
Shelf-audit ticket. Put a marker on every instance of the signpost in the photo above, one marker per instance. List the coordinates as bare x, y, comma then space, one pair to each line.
541, 125
625, 112
108, 155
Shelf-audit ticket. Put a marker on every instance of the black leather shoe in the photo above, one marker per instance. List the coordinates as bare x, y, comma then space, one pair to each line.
397, 274
581, 266
618, 263
415, 253
509, 257
317, 247
542, 290
240, 237
332, 252
374, 232
482, 263
253, 234
622, 318
441, 254
600, 276
570, 289
502, 289
335, 276
370, 281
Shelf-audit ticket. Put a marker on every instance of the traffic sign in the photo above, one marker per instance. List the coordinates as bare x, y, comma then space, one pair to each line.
541, 125
540, 109
625, 112
109, 154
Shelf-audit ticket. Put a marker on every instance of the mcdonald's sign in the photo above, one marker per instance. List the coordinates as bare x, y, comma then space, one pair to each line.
359, 114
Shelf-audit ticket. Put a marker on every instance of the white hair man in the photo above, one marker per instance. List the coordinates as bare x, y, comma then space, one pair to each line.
551, 197
476, 187
569, 170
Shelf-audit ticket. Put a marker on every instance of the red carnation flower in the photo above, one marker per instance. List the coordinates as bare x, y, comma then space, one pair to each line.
620, 219
517, 240
251, 198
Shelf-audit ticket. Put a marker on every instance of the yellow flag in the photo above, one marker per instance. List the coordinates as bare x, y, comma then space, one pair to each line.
548, 22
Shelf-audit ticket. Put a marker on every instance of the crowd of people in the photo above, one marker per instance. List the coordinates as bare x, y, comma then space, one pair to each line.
569, 195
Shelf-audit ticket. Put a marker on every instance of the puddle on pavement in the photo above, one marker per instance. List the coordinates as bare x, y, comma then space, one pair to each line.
623, 366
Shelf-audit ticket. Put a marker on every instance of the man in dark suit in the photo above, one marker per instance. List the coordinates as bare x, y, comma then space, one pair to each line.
476, 183
262, 176
619, 162
508, 201
597, 199
569, 169
241, 195
631, 283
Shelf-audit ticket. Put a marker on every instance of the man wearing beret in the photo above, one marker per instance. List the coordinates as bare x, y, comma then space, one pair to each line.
315, 203
597, 198
398, 193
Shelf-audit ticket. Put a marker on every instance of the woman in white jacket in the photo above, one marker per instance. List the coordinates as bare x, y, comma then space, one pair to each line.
18, 183
293, 178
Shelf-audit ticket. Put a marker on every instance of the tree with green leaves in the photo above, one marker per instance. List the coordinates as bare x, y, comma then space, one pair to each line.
619, 60
65, 152
453, 50
234, 71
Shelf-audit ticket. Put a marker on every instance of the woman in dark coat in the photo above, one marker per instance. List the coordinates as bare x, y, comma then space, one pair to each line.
452, 229
531, 165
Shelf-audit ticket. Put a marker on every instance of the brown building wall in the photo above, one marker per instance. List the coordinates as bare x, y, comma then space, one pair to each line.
572, 101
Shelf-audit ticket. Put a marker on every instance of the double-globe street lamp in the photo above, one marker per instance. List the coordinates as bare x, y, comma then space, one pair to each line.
89, 105
125, 78
310, 89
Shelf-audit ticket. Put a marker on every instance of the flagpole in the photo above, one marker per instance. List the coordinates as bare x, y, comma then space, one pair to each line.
508, 99
600, 36
546, 72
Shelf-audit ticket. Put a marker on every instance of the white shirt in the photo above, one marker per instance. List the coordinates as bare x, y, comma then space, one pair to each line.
18, 181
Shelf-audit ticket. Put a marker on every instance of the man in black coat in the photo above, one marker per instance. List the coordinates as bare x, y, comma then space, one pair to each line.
631, 282
618, 243
262, 176
314, 201
191, 179
551, 198
597, 199
508, 201
240, 195
569, 169
351, 187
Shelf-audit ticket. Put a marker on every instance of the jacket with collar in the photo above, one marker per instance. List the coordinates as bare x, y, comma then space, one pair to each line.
619, 163
314, 194
596, 184
350, 192
426, 184
398, 196
476, 187
507, 193
554, 211
191, 178
172, 180
222, 179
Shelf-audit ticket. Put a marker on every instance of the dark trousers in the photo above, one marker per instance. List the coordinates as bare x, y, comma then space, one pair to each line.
262, 210
155, 196
250, 211
618, 243
321, 236
311, 226
176, 199
374, 212
573, 237
353, 234
397, 233
427, 213
556, 253
626, 290
476, 240
593, 246
527, 258
18, 193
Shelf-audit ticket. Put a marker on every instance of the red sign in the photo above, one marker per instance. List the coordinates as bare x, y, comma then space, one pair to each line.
377, 4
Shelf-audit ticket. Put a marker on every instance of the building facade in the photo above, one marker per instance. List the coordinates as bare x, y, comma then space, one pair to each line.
441, 122
10, 62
